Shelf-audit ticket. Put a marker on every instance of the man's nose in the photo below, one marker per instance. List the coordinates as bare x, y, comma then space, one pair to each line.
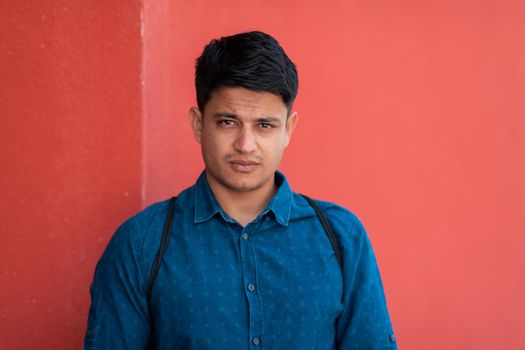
245, 142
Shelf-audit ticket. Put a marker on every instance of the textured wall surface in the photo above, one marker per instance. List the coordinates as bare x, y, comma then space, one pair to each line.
412, 114
70, 155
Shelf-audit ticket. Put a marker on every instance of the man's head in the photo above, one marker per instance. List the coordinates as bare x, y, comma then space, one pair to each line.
245, 86
252, 60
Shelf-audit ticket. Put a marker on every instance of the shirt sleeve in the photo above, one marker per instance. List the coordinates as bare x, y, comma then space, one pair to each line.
118, 315
364, 322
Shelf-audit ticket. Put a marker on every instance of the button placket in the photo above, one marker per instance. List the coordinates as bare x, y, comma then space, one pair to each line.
249, 270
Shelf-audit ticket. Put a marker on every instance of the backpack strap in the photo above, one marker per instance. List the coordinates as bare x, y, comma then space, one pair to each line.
163, 246
156, 265
327, 228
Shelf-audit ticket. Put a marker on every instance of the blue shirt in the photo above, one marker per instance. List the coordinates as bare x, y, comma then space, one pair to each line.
273, 284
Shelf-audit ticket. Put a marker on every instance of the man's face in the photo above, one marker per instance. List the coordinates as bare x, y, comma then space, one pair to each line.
243, 135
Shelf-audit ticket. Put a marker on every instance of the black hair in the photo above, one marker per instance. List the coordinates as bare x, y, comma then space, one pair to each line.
253, 60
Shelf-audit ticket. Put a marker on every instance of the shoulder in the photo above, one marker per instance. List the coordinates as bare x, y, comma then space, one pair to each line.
144, 229
155, 212
128, 239
345, 223
149, 215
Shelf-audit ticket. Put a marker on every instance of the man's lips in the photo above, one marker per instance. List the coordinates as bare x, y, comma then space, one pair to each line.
243, 166
243, 162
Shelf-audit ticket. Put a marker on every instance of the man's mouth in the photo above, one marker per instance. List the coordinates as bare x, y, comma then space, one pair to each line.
243, 166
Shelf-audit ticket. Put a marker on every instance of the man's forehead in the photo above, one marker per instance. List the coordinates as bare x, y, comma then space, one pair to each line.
244, 103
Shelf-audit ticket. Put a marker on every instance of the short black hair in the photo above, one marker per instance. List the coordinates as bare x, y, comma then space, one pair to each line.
253, 60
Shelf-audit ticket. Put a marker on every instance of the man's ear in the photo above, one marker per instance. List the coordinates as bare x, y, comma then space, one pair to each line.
196, 123
291, 122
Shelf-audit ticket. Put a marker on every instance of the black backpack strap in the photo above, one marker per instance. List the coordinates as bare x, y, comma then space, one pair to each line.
327, 229
156, 265
162, 248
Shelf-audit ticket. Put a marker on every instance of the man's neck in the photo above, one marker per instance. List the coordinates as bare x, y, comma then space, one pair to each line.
244, 207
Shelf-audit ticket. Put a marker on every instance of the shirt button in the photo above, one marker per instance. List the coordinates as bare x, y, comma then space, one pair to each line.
245, 236
255, 341
392, 338
266, 217
251, 288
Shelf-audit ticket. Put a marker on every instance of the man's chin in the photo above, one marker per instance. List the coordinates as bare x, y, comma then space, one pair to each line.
241, 186
241, 182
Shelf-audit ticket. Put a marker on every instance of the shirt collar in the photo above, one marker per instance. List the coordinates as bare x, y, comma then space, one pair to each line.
207, 206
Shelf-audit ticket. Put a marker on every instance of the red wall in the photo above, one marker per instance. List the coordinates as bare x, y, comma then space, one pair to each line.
412, 114
70, 155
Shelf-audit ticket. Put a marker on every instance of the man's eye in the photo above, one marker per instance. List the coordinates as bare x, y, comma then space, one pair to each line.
266, 125
226, 122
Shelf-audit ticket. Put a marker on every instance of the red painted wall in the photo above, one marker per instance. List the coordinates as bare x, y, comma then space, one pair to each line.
412, 115
70, 155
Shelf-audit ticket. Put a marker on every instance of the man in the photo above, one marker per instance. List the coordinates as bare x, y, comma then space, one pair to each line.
248, 264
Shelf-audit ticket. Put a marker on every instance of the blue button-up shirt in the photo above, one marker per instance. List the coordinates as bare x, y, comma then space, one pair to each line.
273, 284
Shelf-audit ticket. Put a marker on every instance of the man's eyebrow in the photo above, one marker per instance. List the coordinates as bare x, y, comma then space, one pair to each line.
226, 115
269, 120
235, 116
